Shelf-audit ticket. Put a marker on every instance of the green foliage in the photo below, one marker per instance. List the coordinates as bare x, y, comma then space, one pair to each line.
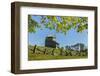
59, 23
32, 24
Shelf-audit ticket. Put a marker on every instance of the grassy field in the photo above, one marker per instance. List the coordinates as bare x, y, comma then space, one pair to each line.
48, 55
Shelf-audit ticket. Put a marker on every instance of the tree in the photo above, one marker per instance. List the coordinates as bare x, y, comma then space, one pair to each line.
32, 24
60, 23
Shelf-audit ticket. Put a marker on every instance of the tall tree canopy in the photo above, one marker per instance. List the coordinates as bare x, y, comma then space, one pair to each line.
60, 23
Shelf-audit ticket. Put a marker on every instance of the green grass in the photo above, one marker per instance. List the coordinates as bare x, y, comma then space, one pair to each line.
49, 57
41, 56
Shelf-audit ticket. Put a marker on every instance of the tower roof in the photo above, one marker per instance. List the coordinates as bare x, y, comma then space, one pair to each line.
51, 36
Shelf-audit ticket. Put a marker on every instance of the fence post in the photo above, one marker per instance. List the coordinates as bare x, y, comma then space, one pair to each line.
52, 52
34, 49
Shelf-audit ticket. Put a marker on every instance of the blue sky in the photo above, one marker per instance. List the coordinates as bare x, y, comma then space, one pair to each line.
71, 37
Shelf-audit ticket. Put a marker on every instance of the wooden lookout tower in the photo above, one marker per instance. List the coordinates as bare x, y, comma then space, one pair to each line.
50, 42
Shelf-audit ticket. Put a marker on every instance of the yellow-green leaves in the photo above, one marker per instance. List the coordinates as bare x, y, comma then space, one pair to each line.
49, 25
54, 19
59, 27
32, 24
59, 23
